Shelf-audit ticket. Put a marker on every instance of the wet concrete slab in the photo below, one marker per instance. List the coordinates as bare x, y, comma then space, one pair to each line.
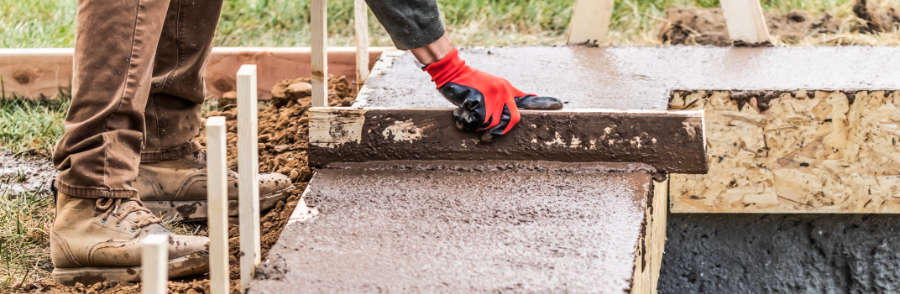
642, 77
463, 226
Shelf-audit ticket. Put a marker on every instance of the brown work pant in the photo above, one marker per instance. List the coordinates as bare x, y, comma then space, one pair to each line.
136, 92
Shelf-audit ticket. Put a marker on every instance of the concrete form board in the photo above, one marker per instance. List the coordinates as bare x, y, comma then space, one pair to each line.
452, 226
642, 77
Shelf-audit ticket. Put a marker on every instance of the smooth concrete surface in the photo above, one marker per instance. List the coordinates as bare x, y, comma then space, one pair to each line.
642, 77
777, 253
463, 227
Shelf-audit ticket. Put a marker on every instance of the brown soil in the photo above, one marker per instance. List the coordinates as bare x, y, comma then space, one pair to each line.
706, 26
282, 148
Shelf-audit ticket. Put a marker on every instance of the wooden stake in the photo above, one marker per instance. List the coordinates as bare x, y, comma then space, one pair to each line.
217, 200
745, 21
590, 21
248, 172
155, 264
319, 59
361, 21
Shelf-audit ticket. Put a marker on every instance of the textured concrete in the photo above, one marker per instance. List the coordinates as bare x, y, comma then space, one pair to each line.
642, 77
719, 253
463, 227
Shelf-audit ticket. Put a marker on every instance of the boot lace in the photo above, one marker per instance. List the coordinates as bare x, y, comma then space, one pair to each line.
114, 208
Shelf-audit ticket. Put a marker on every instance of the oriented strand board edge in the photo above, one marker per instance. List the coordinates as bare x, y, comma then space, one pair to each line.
590, 21
331, 127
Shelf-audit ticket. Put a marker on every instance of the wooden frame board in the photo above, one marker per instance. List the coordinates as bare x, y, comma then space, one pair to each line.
30, 73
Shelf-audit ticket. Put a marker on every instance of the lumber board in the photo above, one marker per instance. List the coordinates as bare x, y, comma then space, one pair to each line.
361, 23
745, 21
318, 23
248, 178
590, 22
794, 152
669, 141
649, 253
31, 73
217, 198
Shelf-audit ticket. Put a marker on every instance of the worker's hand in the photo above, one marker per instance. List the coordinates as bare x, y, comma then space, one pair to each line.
485, 103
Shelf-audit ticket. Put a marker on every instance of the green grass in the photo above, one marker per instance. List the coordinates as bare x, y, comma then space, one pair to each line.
31, 126
24, 238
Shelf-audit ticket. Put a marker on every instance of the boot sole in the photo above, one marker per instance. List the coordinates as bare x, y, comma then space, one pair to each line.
196, 210
185, 266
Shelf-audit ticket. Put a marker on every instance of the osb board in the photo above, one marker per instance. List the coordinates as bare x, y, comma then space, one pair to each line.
799, 152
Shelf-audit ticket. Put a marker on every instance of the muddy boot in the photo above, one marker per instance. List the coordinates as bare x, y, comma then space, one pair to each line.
99, 240
177, 188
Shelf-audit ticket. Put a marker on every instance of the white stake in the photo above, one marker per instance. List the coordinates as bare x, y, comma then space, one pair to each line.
155, 264
361, 22
217, 200
319, 59
248, 170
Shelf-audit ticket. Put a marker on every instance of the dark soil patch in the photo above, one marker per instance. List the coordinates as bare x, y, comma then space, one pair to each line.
283, 147
706, 26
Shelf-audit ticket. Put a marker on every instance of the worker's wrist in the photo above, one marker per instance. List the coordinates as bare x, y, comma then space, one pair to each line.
434, 51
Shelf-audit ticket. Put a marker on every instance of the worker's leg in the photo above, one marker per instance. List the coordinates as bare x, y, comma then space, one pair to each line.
172, 175
99, 221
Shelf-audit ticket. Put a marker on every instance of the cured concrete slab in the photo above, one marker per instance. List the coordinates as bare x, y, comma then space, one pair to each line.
642, 77
462, 227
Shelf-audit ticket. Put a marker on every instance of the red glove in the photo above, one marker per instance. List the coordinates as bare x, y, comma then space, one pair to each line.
485, 102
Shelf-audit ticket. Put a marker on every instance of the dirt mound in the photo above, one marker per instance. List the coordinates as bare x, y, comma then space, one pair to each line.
876, 19
283, 148
706, 26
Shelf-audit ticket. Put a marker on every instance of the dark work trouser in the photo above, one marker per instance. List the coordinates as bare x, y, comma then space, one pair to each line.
138, 84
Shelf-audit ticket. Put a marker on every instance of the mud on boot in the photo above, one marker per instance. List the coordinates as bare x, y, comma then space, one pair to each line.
99, 240
177, 188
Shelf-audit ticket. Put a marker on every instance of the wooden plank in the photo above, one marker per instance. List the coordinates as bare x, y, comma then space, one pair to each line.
30, 73
318, 10
217, 200
746, 21
590, 21
669, 141
361, 22
155, 264
248, 165
795, 152
648, 256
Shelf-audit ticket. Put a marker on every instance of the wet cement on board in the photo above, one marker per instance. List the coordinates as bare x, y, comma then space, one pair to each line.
642, 77
455, 226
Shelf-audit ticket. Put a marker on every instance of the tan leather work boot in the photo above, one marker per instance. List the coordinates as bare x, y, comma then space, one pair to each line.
177, 188
99, 240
